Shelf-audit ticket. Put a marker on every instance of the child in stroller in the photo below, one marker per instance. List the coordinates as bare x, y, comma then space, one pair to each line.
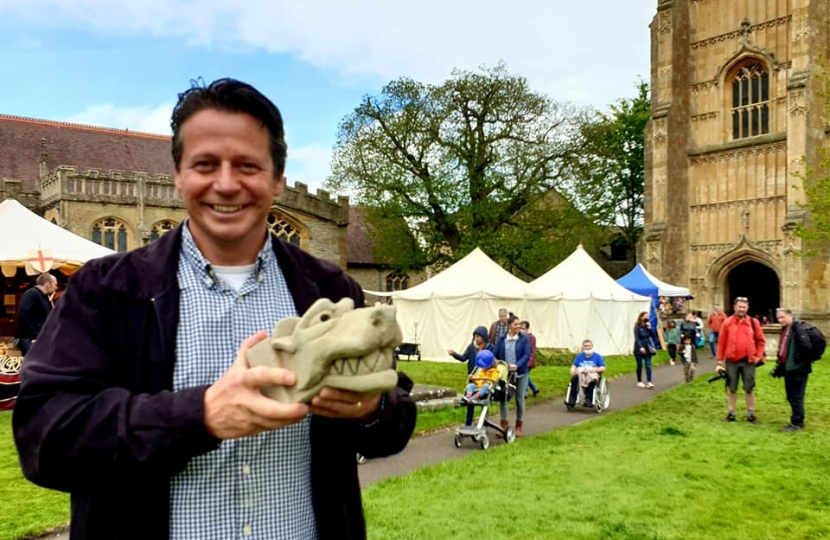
488, 382
483, 377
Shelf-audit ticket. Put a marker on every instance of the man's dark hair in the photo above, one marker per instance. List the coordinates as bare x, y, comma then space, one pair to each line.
234, 96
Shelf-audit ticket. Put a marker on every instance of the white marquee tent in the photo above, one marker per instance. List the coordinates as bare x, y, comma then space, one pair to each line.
590, 305
24, 232
442, 312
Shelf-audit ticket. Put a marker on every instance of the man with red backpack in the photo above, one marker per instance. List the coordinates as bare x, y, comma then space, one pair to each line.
740, 348
795, 356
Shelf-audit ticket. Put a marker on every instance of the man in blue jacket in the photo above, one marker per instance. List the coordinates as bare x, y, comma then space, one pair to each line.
138, 399
514, 348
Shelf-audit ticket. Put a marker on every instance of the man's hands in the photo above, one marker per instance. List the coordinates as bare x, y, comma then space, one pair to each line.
335, 403
234, 406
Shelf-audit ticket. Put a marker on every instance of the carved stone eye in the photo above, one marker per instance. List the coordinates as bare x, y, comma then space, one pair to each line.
324, 317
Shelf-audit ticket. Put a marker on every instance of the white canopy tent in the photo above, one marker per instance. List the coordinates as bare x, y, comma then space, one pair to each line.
24, 232
590, 305
442, 312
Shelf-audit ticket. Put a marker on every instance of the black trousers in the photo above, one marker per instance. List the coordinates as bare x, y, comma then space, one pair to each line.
795, 383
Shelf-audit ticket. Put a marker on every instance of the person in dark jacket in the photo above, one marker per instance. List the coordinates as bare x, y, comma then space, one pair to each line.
33, 310
792, 361
138, 399
480, 342
514, 348
643, 349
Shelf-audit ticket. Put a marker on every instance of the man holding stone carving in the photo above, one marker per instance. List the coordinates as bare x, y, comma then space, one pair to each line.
133, 401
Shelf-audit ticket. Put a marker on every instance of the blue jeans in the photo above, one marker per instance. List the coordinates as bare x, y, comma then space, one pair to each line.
533, 388
713, 343
521, 390
795, 383
474, 390
643, 358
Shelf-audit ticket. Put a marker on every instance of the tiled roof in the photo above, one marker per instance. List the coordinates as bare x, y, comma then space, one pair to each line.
78, 146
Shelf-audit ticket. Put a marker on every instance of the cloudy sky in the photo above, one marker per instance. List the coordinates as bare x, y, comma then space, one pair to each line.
121, 63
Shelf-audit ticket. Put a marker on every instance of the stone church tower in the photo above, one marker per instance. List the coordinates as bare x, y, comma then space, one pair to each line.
738, 108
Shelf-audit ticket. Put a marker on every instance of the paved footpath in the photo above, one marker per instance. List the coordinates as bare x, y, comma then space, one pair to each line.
539, 418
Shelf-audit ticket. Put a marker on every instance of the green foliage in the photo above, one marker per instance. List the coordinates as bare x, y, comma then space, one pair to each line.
472, 162
816, 183
609, 177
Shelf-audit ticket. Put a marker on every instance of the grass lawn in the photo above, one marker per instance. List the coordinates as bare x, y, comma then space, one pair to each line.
666, 469
27, 509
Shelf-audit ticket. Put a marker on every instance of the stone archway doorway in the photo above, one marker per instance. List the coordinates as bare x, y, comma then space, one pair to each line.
759, 283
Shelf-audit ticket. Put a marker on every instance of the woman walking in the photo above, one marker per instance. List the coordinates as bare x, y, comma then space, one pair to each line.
643, 349
514, 348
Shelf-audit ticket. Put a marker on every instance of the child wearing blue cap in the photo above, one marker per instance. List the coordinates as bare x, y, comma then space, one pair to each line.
483, 377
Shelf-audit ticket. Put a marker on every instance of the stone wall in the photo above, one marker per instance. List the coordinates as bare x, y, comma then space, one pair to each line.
714, 201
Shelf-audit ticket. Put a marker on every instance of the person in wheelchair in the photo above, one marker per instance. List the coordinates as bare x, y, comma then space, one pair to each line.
585, 372
482, 378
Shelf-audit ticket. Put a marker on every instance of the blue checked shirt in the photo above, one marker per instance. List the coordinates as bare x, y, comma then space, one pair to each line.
256, 487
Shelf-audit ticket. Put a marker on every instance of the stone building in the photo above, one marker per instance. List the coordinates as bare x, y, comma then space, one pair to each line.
115, 187
738, 102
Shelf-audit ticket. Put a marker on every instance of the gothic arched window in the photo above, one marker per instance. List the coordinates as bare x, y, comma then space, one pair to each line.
750, 101
110, 233
283, 229
160, 228
396, 281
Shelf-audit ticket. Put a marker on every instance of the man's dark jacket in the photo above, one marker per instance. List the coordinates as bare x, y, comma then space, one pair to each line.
96, 415
32, 313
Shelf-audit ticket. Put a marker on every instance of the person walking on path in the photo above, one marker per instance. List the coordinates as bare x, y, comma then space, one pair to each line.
499, 327
643, 349
514, 348
793, 364
531, 364
480, 343
33, 310
740, 349
715, 322
672, 341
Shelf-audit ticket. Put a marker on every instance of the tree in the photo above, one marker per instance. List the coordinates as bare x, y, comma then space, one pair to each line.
609, 178
816, 184
463, 163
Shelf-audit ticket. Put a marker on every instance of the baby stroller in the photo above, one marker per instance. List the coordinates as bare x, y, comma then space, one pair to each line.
500, 391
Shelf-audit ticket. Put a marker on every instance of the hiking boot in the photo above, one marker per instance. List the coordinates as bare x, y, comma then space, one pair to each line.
792, 427
730, 417
504, 424
752, 419
641, 384
518, 430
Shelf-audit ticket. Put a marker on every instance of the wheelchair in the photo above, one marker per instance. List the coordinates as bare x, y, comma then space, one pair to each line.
601, 401
500, 391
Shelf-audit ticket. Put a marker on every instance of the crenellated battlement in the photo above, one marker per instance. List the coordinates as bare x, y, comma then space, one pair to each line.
320, 204
111, 186
115, 186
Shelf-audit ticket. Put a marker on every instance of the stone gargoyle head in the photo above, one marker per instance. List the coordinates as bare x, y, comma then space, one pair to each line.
332, 345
